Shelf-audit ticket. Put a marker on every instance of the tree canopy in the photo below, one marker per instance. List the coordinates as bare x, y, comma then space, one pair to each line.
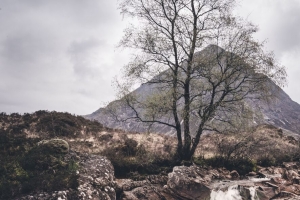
201, 63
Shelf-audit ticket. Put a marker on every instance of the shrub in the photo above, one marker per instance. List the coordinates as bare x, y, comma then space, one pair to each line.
266, 161
105, 137
241, 165
130, 147
131, 160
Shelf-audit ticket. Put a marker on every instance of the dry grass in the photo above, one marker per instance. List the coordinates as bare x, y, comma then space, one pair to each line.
157, 144
265, 140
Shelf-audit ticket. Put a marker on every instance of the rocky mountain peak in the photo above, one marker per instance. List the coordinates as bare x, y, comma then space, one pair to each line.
279, 110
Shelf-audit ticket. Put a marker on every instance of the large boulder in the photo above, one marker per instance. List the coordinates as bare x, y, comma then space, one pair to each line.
188, 183
151, 188
182, 183
96, 178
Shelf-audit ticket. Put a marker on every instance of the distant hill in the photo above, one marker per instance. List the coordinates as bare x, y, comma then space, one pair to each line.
281, 112
45, 124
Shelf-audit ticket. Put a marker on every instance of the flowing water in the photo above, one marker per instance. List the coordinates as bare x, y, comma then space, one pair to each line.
231, 190
232, 193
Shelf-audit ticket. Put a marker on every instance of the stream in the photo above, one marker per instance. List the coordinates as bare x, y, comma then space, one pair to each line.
236, 190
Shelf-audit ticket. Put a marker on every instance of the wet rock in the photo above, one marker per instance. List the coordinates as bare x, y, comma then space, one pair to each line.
287, 195
271, 185
234, 174
251, 174
264, 193
278, 181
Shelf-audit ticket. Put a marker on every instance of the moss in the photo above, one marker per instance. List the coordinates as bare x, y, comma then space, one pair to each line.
54, 146
19, 173
37, 170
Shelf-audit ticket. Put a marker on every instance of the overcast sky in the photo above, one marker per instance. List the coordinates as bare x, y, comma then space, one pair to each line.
60, 54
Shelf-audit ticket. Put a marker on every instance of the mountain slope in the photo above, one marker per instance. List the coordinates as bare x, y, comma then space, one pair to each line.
279, 110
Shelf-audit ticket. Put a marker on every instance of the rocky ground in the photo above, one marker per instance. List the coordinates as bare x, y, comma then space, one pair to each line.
97, 181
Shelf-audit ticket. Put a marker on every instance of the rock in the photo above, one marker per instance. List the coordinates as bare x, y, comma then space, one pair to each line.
267, 192
128, 184
185, 182
96, 181
290, 165
278, 170
96, 178
224, 173
290, 175
295, 189
271, 185
142, 193
128, 196
296, 180
251, 174
278, 181
234, 174
244, 192
261, 195
286, 195
54, 146
157, 179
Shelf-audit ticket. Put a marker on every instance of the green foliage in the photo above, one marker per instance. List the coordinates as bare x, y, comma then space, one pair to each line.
26, 167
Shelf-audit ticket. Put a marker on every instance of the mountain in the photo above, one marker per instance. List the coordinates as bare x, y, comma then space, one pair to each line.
280, 111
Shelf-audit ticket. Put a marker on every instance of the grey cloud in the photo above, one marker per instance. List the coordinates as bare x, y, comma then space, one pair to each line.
56, 55
49, 53
81, 53
24, 48
284, 28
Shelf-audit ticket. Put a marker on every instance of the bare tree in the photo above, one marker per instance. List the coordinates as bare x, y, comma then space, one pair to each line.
192, 82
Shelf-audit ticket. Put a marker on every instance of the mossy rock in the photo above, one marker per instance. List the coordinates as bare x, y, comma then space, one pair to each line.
57, 146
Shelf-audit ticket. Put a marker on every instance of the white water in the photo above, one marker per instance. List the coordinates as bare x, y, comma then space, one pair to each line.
253, 193
232, 193
230, 190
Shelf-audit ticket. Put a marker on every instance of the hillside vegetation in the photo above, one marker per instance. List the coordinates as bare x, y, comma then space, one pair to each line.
25, 167
28, 165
